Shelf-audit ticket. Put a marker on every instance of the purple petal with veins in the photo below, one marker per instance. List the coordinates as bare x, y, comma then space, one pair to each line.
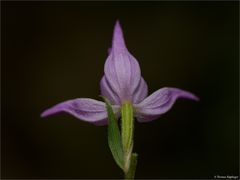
121, 69
159, 103
107, 91
86, 109
141, 92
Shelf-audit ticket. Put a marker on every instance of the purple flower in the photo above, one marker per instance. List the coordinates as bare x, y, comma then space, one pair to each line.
122, 82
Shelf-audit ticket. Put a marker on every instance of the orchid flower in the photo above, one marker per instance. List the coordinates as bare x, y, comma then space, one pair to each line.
127, 92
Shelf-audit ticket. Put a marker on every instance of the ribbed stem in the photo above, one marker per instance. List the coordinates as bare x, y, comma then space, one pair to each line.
127, 140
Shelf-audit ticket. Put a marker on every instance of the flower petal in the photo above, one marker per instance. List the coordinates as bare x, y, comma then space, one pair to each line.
118, 43
159, 103
85, 109
107, 91
141, 92
121, 69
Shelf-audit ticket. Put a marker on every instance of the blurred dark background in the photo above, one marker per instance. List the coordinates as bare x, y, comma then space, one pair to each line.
55, 51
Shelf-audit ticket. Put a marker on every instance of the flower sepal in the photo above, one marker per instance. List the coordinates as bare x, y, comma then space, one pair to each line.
114, 136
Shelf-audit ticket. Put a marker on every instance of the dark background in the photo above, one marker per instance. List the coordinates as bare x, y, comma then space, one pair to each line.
54, 51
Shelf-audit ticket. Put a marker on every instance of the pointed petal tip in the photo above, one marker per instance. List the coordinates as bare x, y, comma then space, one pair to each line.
43, 115
117, 25
50, 111
179, 93
117, 22
117, 29
195, 98
189, 95
118, 42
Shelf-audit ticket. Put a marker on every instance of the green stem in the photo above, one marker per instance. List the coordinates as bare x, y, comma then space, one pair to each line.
131, 173
127, 140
